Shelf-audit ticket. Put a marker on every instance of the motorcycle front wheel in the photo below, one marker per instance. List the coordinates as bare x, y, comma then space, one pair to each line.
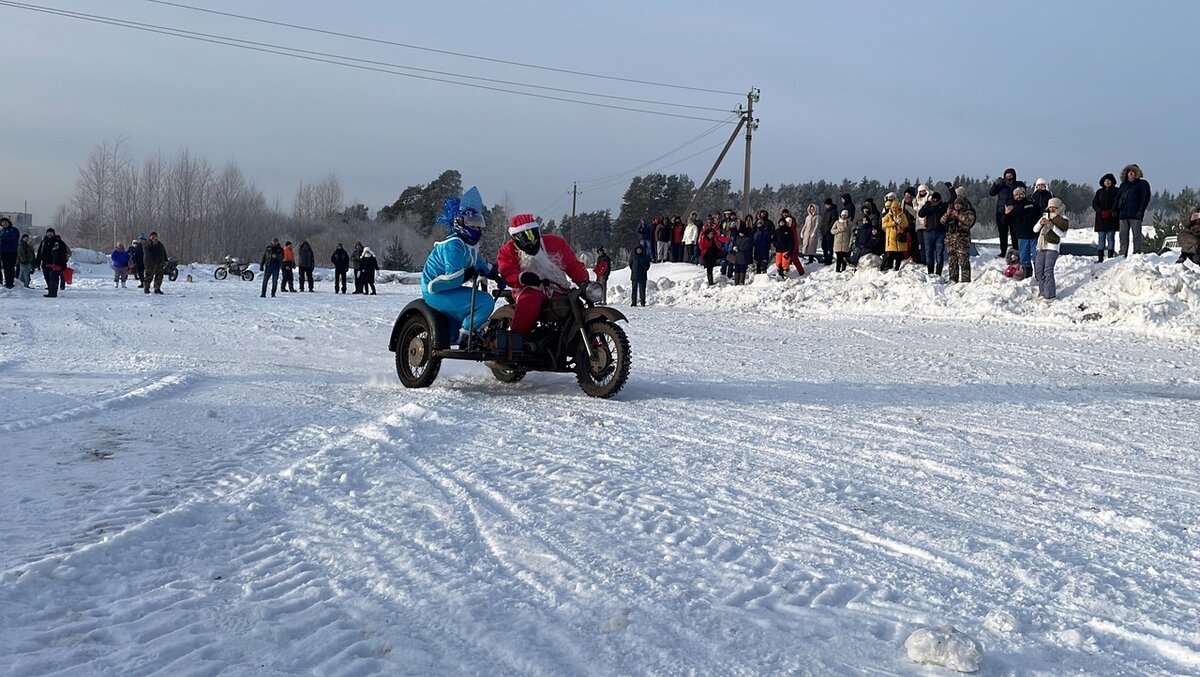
604, 374
221, 273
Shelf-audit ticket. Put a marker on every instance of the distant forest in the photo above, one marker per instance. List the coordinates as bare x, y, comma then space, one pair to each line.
203, 213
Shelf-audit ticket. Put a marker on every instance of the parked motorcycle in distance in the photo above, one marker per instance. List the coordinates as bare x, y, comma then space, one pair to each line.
234, 267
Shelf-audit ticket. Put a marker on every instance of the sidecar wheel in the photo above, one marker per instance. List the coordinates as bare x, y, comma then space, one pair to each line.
415, 364
605, 374
505, 374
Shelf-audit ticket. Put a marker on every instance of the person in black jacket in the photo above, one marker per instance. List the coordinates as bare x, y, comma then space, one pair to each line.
1002, 190
306, 261
827, 218
935, 233
272, 261
639, 268
1107, 220
53, 255
341, 263
367, 266
662, 239
1021, 216
1133, 198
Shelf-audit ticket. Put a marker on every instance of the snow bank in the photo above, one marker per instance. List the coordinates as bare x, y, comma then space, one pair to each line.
1146, 292
88, 256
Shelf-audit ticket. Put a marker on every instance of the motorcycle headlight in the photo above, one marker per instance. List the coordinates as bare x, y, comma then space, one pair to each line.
593, 292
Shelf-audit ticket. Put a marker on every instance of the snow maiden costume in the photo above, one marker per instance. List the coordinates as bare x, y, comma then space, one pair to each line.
455, 261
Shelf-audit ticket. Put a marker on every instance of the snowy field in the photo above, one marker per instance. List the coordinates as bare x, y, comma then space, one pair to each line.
796, 478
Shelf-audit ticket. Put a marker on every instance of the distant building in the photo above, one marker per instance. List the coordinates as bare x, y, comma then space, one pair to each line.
22, 220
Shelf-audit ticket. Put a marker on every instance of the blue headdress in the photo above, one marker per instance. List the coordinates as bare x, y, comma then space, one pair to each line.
463, 216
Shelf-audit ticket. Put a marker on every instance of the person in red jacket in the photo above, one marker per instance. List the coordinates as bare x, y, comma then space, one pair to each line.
536, 267
601, 270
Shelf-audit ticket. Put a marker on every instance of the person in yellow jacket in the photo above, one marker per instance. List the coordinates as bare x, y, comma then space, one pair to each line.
895, 227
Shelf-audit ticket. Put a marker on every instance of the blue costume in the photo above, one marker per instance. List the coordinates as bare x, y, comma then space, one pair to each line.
446, 268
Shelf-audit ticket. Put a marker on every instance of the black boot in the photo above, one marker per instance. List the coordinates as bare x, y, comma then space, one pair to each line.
1100, 257
938, 270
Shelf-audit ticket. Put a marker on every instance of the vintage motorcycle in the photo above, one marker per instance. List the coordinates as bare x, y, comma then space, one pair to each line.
572, 335
234, 267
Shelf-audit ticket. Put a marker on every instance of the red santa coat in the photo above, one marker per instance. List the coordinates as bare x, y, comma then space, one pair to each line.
564, 266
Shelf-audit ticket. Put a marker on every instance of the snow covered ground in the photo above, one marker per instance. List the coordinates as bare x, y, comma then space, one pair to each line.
797, 477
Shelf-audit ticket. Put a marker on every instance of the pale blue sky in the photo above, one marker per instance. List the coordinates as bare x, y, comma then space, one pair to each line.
1056, 89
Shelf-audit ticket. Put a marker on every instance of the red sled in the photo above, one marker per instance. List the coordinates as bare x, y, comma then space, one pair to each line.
68, 274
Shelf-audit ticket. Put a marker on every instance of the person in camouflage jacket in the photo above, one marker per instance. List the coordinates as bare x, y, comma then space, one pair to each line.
959, 220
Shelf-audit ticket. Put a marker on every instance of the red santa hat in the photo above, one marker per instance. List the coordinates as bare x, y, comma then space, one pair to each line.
521, 223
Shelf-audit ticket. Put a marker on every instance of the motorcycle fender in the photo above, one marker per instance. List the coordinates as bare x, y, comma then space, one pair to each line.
603, 312
436, 321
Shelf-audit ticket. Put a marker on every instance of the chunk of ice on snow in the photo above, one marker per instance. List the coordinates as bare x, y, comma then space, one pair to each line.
945, 647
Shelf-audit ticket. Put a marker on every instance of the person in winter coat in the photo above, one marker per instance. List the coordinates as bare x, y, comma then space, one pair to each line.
120, 265
869, 210
691, 237
868, 239
341, 263
1133, 198
762, 246
136, 258
1041, 195
25, 259
895, 231
908, 199
1014, 269
1108, 222
52, 256
842, 229
449, 273
10, 242
1002, 189
272, 261
306, 261
786, 245
1051, 229
289, 267
639, 271
155, 254
712, 249
1189, 239
959, 220
662, 240
355, 258
367, 266
935, 232
645, 233
810, 235
827, 218
677, 230
847, 204
743, 254
1021, 216
601, 270
538, 268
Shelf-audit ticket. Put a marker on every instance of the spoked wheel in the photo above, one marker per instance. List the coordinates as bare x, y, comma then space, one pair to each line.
415, 364
221, 273
605, 373
248, 275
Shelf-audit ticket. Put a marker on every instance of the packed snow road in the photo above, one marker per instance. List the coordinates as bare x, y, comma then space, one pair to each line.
209, 482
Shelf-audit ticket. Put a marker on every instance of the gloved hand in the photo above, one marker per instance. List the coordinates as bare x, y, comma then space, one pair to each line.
469, 274
529, 279
496, 277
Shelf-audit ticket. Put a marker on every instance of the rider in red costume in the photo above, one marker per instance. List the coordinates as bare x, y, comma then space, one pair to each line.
537, 267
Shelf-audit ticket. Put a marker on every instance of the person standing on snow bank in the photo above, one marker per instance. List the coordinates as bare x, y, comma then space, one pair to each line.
1002, 189
455, 263
10, 242
958, 221
537, 267
1189, 239
842, 229
1108, 222
1051, 229
691, 238
1133, 198
601, 270
786, 245
810, 236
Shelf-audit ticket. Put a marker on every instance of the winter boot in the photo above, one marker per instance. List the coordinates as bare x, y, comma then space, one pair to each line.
1028, 271
1100, 257
938, 270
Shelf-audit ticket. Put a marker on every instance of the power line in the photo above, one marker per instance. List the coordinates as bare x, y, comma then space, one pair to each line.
303, 54
436, 51
685, 144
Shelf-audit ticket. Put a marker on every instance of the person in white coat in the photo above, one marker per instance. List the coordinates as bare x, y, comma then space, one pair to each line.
810, 234
1051, 229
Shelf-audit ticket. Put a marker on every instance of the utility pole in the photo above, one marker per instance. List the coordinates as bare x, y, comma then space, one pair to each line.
751, 125
574, 196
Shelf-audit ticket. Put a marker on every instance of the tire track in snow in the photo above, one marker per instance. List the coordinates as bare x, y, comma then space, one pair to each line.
145, 389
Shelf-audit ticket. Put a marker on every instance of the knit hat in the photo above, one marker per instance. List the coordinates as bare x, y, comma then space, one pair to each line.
1041, 182
521, 223
1055, 202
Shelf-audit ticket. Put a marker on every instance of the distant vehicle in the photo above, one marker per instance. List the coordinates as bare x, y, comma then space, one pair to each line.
172, 269
234, 267
1169, 243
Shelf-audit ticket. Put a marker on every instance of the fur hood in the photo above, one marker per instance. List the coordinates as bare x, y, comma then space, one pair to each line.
1137, 171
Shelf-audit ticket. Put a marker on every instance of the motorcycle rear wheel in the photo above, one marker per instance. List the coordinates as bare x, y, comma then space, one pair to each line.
248, 275
606, 373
